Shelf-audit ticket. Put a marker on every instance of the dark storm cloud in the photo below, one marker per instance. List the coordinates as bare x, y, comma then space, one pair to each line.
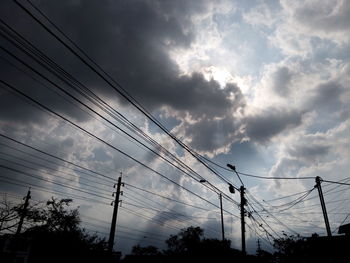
263, 126
281, 80
309, 152
200, 97
327, 96
327, 17
132, 40
209, 134
215, 124
125, 37
16, 108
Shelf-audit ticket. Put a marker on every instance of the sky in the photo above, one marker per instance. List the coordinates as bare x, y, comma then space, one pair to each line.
262, 85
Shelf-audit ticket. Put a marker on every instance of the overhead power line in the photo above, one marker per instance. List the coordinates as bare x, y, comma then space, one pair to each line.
148, 218
267, 211
103, 141
293, 202
54, 156
44, 77
345, 219
333, 182
63, 78
286, 196
38, 165
278, 178
298, 200
166, 197
61, 177
60, 71
108, 181
41, 188
175, 200
116, 86
51, 181
168, 212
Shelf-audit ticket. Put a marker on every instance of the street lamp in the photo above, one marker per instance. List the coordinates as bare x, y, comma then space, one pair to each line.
232, 167
243, 203
222, 215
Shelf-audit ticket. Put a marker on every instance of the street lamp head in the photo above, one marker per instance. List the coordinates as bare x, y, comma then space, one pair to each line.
231, 167
234, 169
231, 189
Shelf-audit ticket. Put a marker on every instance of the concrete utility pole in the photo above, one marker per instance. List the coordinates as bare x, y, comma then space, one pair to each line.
258, 249
24, 212
243, 203
222, 215
323, 205
222, 219
115, 213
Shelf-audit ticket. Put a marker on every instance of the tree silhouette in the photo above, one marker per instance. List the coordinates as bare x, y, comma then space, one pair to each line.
10, 214
57, 236
55, 216
145, 251
191, 246
186, 241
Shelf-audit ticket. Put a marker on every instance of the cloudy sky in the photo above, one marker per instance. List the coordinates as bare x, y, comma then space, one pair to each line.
262, 85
